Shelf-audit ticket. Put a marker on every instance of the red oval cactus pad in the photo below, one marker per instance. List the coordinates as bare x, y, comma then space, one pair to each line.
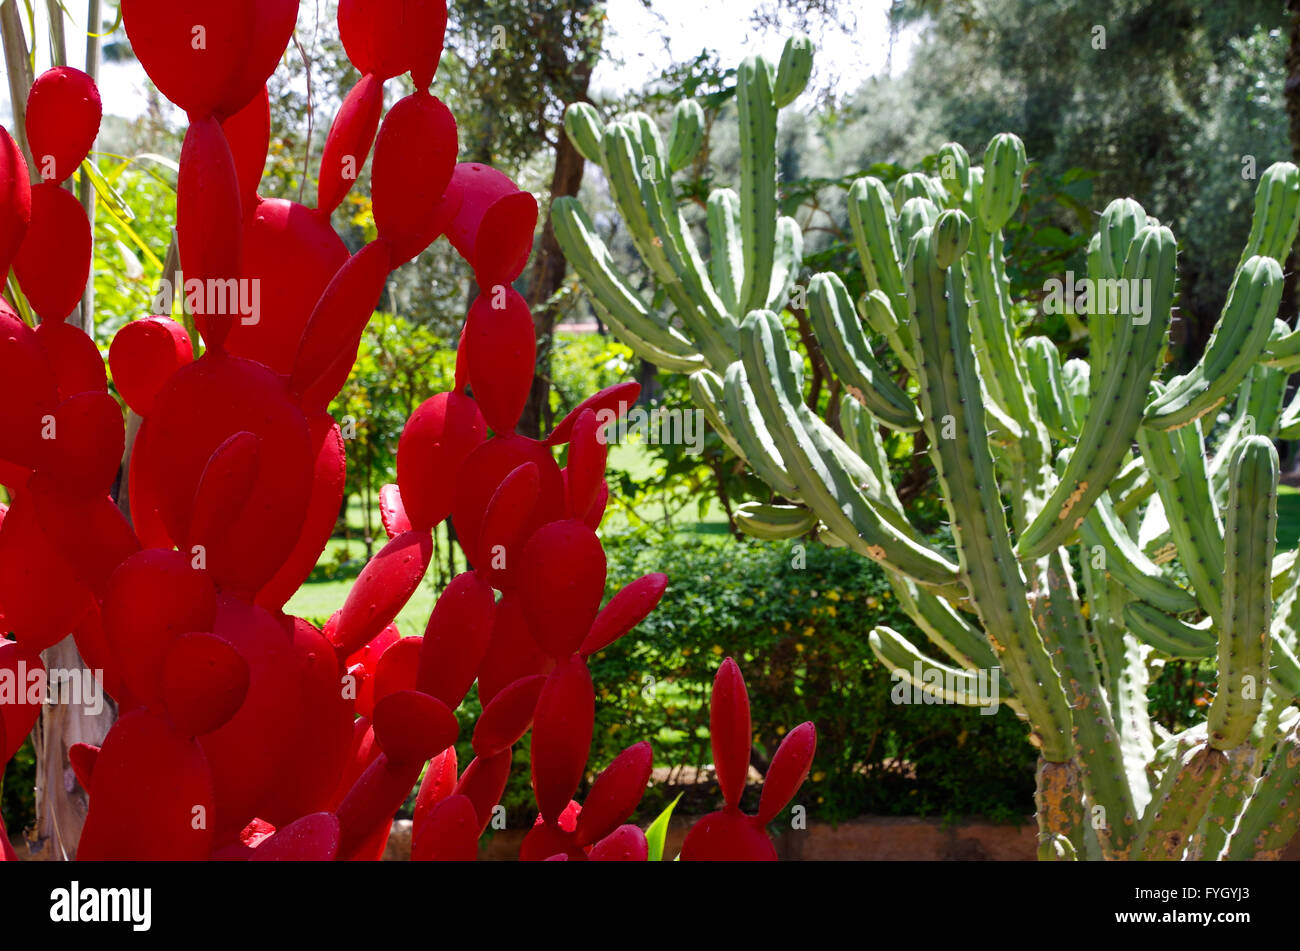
493, 223
562, 728
28, 392
248, 133
82, 444
415, 153
209, 225
392, 512
449, 834
512, 652
787, 772
625, 611
411, 726
561, 580
384, 586
15, 200
74, 358
456, 638
53, 262
729, 731
350, 139
615, 793
204, 682
501, 352
625, 844
508, 716
63, 116
484, 782
313, 838
435, 441
144, 355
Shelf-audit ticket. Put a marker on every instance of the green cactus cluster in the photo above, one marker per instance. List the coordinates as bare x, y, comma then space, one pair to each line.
1098, 529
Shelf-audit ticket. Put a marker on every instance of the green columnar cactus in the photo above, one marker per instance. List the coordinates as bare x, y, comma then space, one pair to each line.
1073, 487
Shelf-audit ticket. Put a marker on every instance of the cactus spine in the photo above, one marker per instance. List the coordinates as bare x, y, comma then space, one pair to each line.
1047, 467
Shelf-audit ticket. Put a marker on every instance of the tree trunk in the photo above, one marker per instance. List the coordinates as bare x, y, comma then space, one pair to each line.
549, 267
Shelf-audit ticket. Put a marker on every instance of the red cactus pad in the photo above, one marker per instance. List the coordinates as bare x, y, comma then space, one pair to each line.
493, 222
17, 714
362, 665
501, 353
326, 497
371, 802
154, 597
374, 34
209, 226
449, 834
15, 200
411, 726
553, 839
436, 440
789, 769
426, 21
146, 511
224, 488
251, 756
42, 598
28, 391
313, 838
74, 358
625, 611
209, 58
152, 787
204, 681
396, 670
290, 255
199, 408
625, 844
585, 472
561, 741
594, 515
503, 523
456, 638
415, 153
89, 531
81, 757
53, 262
82, 444
329, 342
561, 577
94, 651
484, 470
392, 511
615, 793
609, 404
438, 783
727, 836
248, 132
63, 115
349, 141
143, 356
512, 652
484, 782
384, 586
729, 731
508, 716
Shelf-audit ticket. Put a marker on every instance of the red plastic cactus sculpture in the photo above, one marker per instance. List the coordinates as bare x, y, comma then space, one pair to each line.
246, 733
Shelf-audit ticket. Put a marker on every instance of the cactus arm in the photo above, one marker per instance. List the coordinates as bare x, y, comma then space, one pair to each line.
952, 684
950, 393
1169, 635
775, 522
756, 109
862, 436
1271, 817
944, 625
1184, 798
585, 130
1232, 792
1117, 400
1284, 353
787, 258
874, 224
1124, 561
1178, 469
1234, 347
794, 70
619, 303
848, 352
1276, 217
686, 135
1055, 407
708, 394
829, 491
1249, 541
747, 426
875, 309
1107, 778
726, 255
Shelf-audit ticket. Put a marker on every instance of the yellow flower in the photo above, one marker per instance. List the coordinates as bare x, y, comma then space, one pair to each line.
830, 609
780, 731
808, 631
787, 625
833, 595
799, 648
717, 650
1086, 610
748, 602
872, 603
818, 776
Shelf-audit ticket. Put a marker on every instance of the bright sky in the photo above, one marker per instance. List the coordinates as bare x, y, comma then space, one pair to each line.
640, 39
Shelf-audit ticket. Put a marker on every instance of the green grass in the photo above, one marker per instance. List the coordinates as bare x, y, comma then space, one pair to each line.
1288, 517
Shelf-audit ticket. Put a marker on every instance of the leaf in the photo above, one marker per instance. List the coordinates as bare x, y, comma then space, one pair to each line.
658, 831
